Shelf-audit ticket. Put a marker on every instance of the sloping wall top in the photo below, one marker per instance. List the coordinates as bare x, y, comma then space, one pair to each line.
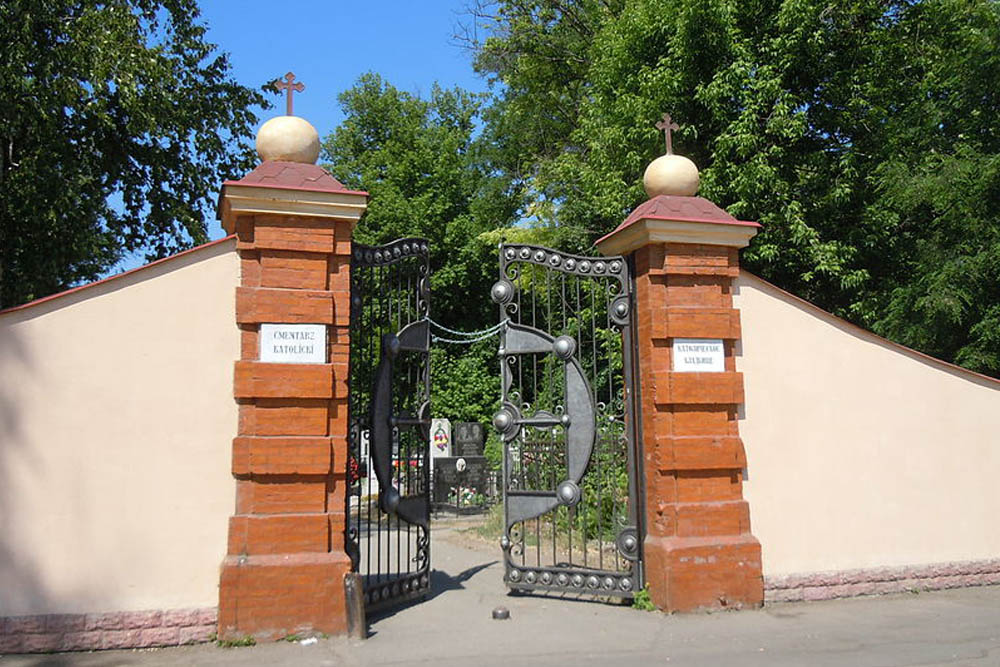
861, 453
116, 422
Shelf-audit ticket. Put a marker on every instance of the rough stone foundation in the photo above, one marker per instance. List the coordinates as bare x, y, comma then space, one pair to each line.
122, 629
881, 580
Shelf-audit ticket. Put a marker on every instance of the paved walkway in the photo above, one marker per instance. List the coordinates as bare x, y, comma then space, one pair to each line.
454, 628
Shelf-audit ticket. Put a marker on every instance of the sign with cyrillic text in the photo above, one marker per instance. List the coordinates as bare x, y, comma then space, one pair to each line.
293, 343
699, 355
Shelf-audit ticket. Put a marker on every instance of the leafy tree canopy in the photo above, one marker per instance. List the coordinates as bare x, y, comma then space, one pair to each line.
862, 135
428, 175
118, 123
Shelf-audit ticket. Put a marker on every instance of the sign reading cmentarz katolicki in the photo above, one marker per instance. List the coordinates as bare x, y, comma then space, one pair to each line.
699, 355
293, 343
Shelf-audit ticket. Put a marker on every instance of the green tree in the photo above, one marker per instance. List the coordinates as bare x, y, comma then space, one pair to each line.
429, 175
118, 123
861, 135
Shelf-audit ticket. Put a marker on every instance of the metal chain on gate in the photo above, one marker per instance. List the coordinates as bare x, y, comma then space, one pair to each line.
468, 337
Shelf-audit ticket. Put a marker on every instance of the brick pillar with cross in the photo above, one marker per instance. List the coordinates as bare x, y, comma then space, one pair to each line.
698, 550
286, 564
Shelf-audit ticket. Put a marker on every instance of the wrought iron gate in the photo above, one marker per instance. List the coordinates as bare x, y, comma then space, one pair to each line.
568, 422
388, 468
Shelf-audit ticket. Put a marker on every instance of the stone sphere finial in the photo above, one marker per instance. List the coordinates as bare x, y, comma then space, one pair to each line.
670, 174
288, 139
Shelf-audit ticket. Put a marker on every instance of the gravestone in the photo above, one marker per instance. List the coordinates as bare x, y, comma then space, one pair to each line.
453, 473
441, 438
469, 439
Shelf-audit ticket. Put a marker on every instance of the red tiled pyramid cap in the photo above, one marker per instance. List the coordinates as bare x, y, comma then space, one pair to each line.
293, 176
289, 188
681, 209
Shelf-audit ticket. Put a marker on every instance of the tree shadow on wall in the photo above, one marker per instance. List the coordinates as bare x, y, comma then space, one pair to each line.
21, 586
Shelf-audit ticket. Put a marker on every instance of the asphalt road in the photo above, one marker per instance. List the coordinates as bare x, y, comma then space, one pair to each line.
454, 627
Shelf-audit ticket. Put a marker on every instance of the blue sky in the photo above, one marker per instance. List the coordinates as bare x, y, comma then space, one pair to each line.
328, 45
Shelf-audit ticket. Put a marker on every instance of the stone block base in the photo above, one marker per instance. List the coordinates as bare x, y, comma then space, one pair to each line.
881, 580
704, 573
273, 596
110, 630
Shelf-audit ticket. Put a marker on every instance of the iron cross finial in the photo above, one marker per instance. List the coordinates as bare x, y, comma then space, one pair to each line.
288, 87
667, 124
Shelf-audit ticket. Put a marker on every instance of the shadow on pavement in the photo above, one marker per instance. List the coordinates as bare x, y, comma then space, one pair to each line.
441, 582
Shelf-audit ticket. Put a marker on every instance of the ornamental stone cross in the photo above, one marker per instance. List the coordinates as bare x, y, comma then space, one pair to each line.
298, 86
667, 124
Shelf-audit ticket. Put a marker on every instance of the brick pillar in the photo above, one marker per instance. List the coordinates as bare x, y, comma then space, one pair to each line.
698, 549
285, 570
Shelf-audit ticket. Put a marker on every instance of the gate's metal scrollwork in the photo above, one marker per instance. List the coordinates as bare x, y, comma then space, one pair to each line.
388, 468
568, 423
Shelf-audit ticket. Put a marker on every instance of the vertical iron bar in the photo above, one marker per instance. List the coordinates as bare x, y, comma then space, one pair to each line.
403, 442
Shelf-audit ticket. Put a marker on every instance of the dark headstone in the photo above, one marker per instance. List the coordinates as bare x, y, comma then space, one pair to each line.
447, 476
469, 439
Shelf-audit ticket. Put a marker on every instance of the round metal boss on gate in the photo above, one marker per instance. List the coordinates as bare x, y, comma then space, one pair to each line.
502, 421
502, 291
628, 543
505, 421
568, 493
619, 310
564, 347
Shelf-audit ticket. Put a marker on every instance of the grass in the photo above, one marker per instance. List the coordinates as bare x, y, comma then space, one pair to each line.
492, 527
642, 600
246, 640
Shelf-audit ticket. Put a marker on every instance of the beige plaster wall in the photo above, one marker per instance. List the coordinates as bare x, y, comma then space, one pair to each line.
116, 422
861, 453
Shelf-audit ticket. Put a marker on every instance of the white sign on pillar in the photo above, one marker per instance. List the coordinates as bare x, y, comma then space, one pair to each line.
699, 355
293, 343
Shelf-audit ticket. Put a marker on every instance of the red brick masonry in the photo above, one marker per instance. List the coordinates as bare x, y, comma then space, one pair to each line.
699, 550
122, 629
284, 572
881, 580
